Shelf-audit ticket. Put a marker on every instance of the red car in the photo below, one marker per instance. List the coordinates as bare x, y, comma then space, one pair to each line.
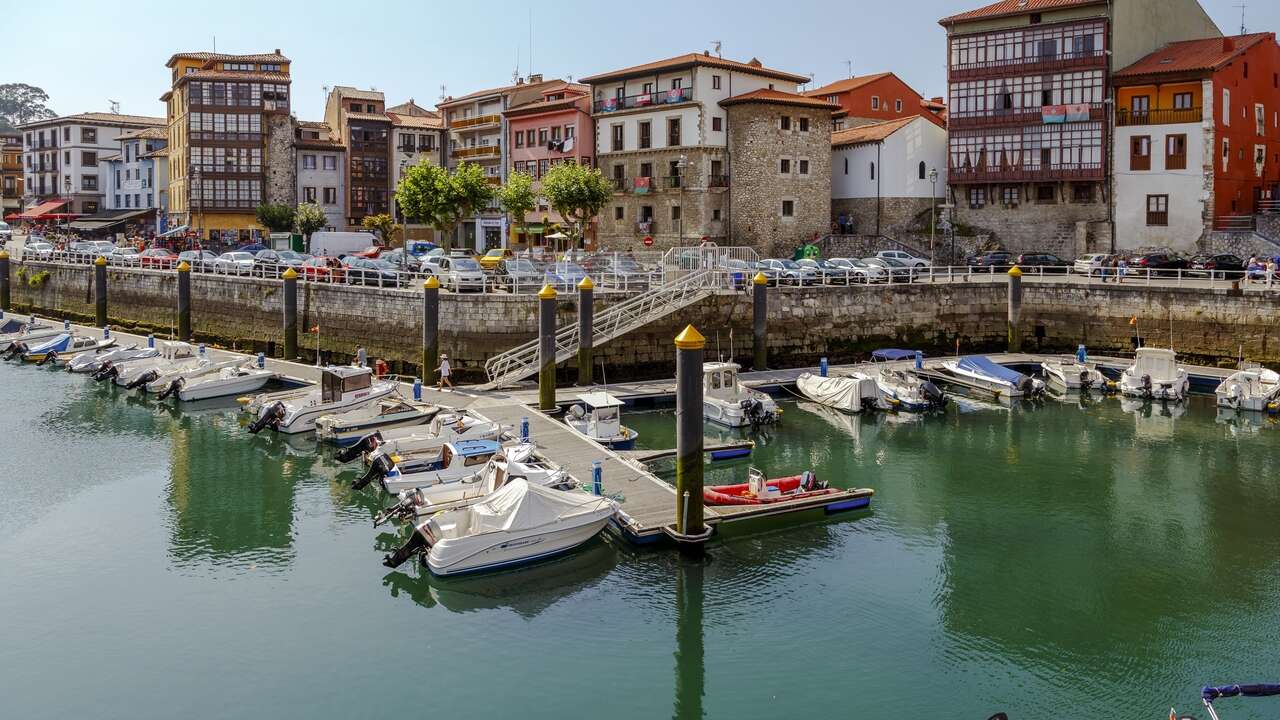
324, 269
158, 258
371, 252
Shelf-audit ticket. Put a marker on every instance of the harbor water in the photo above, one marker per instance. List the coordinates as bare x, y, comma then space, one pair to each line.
1061, 560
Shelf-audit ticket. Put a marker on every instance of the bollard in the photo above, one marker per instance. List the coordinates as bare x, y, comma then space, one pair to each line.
151, 341
689, 350
597, 478
362, 357
919, 360
66, 325
290, 303
184, 301
262, 361
586, 329
1015, 309
4, 281
547, 349
524, 429
100, 289
823, 367
760, 322
417, 389
106, 332
1082, 356
200, 351
430, 328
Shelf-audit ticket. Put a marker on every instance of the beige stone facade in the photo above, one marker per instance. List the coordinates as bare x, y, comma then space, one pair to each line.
689, 202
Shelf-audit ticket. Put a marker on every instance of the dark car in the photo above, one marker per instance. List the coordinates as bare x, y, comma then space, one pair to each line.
199, 260
272, 263
617, 271
991, 261
1047, 262
158, 258
364, 271
252, 248
1222, 265
522, 275
1158, 263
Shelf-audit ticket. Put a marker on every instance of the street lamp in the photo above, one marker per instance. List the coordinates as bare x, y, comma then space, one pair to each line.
933, 206
681, 164
66, 184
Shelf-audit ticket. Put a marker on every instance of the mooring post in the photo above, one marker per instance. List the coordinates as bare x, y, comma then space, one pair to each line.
4, 281
290, 314
1015, 309
184, 301
547, 349
1082, 354
690, 666
100, 290
586, 327
759, 322
430, 329
689, 349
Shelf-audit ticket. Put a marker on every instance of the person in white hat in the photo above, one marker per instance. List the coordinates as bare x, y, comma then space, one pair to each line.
444, 373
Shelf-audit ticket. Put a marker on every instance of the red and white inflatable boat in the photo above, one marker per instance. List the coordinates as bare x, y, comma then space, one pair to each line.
758, 491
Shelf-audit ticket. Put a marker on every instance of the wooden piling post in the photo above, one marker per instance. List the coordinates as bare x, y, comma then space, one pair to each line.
4, 281
1015, 309
100, 291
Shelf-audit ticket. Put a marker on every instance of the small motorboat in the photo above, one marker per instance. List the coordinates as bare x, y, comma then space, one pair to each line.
341, 388
390, 412
520, 523
850, 393
759, 491
11, 325
903, 390
1073, 375
15, 343
139, 372
207, 384
92, 361
1253, 389
1155, 375
983, 373
1209, 694
599, 417
65, 345
165, 378
509, 464
455, 461
726, 401
444, 427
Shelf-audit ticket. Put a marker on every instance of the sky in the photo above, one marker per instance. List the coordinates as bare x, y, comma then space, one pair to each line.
88, 53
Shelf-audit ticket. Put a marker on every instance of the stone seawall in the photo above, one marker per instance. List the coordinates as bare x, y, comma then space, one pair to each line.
805, 324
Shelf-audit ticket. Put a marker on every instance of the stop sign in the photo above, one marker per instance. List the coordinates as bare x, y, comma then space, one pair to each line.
648, 241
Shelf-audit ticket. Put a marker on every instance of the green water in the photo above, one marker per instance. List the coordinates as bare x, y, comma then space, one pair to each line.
1063, 561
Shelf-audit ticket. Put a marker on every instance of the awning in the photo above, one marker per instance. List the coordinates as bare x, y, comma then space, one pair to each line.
530, 228
110, 218
176, 231
43, 211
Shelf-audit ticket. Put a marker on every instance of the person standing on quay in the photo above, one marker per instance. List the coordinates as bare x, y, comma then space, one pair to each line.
444, 373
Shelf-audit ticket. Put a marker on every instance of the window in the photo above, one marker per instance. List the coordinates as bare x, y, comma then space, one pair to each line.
675, 212
88, 135
1140, 153
519, 138
1226, 153
330, 196
646, 89
646, 170
1175, 152
875, 102
1246, 71
66, 156
1010, 195
646, 134
897, 105
677, 83
308, 194
784, 166
717, 168
555, 133
785, 122
1260, 119
1226, 107
716, 124
673, 132
715, 82
309, 163
788, 208
89, 182
804, 167
1157, 210
1182, 101
1140, 104
542, 136
804, 124
330, 162
921, 171
618, 212
616, 143
715, 214
1046, 194
977, 197
1082, 192
846, 165
91, 207
66, 134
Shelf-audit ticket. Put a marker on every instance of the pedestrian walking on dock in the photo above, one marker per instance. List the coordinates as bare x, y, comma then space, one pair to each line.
1122, 269
444, 373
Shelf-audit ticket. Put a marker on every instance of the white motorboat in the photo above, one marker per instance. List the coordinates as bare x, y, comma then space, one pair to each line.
851, 393
1253, 389
63, 347
520, 523
444, 427
453, 462
166, 378
341, 388
982, 373
225, 382
139, 372
93, 360
908, 392
599, 417
15, 343
1073, 375
509, 464
388, 413
1155, 374
726, 401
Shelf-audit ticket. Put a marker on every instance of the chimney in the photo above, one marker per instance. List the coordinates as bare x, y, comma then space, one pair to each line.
1228, 44
278, 51
535, 78
755, 62
706, 53
938, 100
519, 81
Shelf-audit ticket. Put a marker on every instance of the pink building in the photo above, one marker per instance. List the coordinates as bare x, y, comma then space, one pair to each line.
551, 127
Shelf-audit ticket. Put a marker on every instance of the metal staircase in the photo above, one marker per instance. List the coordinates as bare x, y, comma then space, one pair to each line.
683, 286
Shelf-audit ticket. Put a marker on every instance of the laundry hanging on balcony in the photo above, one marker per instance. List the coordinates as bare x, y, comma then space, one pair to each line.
642, 185
1078, 112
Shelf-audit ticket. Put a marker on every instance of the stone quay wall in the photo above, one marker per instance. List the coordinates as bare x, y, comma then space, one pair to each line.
805, 324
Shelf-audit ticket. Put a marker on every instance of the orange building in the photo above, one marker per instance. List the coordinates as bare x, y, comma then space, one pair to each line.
876, 98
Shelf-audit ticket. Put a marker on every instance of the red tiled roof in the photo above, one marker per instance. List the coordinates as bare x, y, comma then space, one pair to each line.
412, 108
234, 75
496, 91
1194, 55
846, 85
680, 61
347, 91
415, 121
544, 105
101, 118
778, 97
869, 133
158, 132
1008, 8
206, 57
367, 116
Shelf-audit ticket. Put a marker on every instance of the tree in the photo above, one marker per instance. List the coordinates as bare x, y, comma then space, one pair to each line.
275, 217
22, 103
577, 193
309, 218
384, 225
430, 195
469, 190
517, 197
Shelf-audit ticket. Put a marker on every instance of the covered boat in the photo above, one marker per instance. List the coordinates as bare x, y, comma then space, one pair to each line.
895, 354
984, 373
207, 384
174, 356
1254, 389
19, 341
65, 345
1155, 375
517, 524
759, 491
599, 417
852, 393
726, 401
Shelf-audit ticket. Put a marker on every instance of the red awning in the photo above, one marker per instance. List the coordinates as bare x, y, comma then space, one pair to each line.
44, 211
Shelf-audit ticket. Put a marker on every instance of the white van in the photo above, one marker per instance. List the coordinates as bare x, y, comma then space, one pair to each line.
338, 244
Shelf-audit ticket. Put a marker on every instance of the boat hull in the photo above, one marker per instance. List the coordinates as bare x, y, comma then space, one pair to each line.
345, 434
223, 388
498, 551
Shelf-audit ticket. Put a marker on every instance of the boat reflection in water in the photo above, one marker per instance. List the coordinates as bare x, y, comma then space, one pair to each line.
1154, 419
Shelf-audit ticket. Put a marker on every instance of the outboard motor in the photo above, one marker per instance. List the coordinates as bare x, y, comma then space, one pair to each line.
270, 417
108, 372
366, 444
415, 545
755, 411
809, 481
403, 510
1085, 380
173, 389
378, 469
48, 357
1146, 386
932, 394
143, 379
16, 349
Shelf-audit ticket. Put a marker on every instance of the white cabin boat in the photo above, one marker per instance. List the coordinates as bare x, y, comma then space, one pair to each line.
981, 372
444, 427
341, 388
455, 461
599, 417
520, 523
903, 390
1155, 375
61, 348
387, 413
851, 393
224, 382
726, 401
1073, 375
1254, 389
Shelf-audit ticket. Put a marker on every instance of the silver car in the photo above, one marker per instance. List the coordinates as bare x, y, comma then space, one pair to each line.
455, 272
234, 263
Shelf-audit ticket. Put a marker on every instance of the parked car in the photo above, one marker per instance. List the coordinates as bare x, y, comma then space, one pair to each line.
617, 271
38, 251
371, 252
323, 268
491, 259
991, 261
397, 259
455, 272
861, 272
125, 257
1046, 262
364, 271
273, 263
199, 260
158, 259
235, 262
88, 251
6, 232
1222, 265
521, 274
828, 274
252, 248
568, 273
1092, 264
904, 257
336, 244
787, 272
1157, 263
897, 271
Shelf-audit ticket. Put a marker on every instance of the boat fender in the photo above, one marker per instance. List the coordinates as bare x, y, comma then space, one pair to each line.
173, 388
414, 545
366, 444
49, 357
142, 380
378, 469
270, 417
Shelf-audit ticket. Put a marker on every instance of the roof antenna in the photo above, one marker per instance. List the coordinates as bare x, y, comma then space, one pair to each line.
1241, 6
515, 74
531, 40
215, 43
716, 44
849, 64
115, 106
443, 95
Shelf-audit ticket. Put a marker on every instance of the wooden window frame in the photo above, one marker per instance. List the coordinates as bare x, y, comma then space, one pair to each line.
1175, 160
1158, 218
1139, 153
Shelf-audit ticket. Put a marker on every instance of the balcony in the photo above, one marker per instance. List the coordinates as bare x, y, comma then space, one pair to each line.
662, 97
718, 181
673, 182
620, 185
475, 122
1014, 117
646, 227
1128, 118
1030, 65
1026, 173
479, 152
